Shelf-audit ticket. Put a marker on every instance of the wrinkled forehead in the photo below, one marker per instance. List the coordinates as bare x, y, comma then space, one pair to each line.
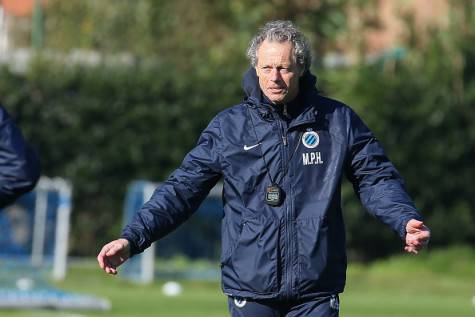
281, 52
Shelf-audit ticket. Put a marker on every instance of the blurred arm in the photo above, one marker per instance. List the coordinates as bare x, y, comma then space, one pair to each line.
19, 166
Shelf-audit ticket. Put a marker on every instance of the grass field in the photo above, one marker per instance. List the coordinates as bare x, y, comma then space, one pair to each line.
435, 284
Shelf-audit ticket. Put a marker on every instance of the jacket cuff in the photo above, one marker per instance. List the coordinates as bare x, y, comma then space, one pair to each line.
134, 249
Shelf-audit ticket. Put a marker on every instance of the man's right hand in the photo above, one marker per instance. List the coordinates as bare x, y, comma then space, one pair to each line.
114, 254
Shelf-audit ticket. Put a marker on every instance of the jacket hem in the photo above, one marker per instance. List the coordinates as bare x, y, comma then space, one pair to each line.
248, 294
260, 296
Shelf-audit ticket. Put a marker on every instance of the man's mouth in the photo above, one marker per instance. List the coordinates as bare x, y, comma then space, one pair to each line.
276, 90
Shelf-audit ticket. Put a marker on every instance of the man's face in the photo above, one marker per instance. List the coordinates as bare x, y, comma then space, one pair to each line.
277, 71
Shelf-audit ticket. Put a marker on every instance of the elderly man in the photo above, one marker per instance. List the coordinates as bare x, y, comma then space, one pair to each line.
281, 154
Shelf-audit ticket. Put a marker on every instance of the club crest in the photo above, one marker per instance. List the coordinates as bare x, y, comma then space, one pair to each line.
310, 139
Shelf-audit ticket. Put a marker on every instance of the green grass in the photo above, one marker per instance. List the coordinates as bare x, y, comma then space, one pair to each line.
436, 283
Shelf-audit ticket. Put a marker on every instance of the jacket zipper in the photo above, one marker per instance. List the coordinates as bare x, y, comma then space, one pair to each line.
291, 233
287, 280
284, 134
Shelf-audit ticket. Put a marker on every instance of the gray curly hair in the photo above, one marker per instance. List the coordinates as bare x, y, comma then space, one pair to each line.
282, 31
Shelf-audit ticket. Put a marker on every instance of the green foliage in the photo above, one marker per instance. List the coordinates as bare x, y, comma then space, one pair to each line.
421, 109
103, 127
190, 33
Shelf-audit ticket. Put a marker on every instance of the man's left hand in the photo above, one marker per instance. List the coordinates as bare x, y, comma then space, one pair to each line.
417, 236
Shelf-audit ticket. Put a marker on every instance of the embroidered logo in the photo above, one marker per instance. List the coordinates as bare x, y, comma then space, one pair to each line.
310, 139
239, 302
247, 148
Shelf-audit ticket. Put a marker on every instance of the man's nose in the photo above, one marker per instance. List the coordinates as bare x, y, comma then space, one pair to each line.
275, 75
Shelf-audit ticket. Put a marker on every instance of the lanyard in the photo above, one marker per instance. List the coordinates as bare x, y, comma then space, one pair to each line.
264, 159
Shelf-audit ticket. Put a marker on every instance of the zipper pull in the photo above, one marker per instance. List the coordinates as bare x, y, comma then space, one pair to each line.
284, 140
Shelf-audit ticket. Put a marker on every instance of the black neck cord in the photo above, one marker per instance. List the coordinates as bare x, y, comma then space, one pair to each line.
262, 153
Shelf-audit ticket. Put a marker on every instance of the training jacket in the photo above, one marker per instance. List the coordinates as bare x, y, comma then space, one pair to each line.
295, 250
19, 166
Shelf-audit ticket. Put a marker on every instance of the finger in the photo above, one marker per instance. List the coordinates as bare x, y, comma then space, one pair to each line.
114, 249
410, 249
417, 224
422, 237
420, 247
411, 239
414, 226
417, 246
100, 260
412, 230
425, 239
110, 269
101, 256
425, 234
423, 243
105, 249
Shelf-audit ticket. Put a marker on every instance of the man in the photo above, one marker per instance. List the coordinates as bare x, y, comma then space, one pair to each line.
19, 166
281, 154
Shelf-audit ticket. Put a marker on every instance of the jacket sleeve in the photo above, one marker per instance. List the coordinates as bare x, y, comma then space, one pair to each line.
178, 197
375, 179
19, 166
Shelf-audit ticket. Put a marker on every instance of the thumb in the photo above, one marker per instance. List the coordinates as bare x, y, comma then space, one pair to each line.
115, 248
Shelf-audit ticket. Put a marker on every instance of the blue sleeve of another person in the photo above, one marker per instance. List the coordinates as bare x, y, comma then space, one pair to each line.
19, 165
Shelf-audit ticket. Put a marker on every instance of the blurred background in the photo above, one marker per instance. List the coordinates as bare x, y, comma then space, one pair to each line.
113, 91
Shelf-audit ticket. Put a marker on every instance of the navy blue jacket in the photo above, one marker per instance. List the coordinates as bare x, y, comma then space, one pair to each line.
19, 166
297, 249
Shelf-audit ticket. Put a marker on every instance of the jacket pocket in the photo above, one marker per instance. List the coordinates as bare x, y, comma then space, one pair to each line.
312, 252
252, 264
321, 256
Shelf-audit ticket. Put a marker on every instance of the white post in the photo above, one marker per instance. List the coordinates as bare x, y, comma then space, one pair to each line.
39, 224
62, 229
148, 256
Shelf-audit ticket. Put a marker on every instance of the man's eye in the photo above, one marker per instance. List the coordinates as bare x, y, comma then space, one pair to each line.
266, 69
